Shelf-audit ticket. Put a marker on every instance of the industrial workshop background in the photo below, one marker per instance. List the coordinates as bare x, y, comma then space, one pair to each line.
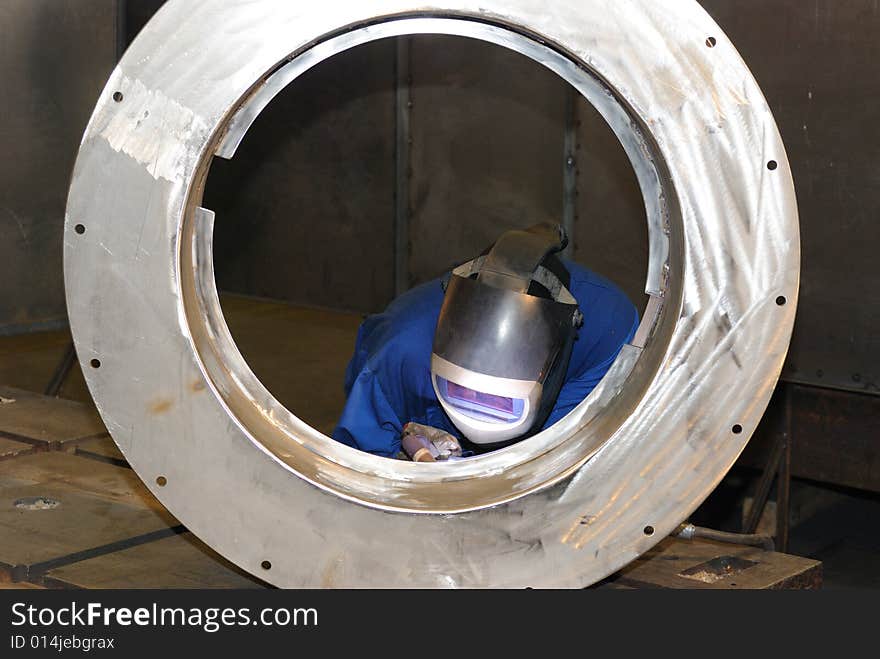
392, 162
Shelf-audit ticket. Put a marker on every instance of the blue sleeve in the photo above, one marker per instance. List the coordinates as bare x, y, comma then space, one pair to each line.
610, 321
369, 421
388, 380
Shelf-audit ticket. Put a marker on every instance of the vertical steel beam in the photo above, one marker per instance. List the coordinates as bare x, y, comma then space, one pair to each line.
569, 167
61, 371
121, 28
403, 141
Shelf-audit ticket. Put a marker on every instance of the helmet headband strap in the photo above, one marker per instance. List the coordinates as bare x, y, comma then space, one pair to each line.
512, 261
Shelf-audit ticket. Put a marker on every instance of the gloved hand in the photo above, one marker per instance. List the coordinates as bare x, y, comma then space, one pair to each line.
427, 444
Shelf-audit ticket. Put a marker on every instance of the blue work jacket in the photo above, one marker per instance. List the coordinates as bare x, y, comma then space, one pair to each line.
388, 380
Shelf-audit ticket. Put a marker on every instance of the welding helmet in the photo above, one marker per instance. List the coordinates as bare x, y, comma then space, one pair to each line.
504, 337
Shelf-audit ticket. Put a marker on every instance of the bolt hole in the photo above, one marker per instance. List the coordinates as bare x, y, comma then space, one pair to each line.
781, 300
161, 481
733, 584
80, 229
117, 96
648, 530
711, 41
772, 165
737, 429
266, 565
96, 363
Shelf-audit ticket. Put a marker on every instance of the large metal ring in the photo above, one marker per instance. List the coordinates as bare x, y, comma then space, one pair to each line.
564, 508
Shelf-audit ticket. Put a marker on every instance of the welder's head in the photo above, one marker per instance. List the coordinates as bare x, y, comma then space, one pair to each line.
504, 337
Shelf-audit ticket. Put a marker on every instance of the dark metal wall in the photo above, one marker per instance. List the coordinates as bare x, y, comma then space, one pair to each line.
833, 435
475, 145
610, 224
305, 210
55, 56
486, 149
488, 152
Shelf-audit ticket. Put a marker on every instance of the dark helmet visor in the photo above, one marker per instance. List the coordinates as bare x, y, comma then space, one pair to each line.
500, 332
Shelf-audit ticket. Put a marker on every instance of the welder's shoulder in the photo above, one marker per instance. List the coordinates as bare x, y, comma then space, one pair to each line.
596, 294
417, 298
417, 309
407, 325
587, 282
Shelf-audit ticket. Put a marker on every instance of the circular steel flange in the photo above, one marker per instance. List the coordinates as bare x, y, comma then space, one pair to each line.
564, 508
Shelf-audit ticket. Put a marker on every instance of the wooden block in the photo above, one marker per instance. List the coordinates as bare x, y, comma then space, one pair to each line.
26, 416
56, 504
99, 479
20, 585
702, 564
45, 523
10, 448
179, 561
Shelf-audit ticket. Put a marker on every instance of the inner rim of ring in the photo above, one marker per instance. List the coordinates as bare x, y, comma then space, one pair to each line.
485, 480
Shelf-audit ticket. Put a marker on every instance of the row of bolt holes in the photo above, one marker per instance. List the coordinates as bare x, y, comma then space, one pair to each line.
771, 165
161, 481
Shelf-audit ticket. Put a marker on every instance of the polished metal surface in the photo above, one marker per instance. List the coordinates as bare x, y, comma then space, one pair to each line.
564, 508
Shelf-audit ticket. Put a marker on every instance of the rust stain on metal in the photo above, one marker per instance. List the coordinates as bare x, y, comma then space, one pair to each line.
330, 574
161, 405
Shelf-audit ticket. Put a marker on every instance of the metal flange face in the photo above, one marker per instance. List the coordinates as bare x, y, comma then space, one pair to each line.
564, 508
